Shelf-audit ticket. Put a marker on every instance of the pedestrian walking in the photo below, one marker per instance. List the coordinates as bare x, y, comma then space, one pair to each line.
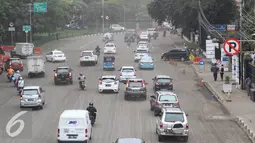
222, 72
248, 84
215, 71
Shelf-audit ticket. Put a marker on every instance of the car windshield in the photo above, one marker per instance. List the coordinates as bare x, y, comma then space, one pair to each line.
167, 98
16, 61
86, 54
173, 117
146, 60
108, 79
141, 51
135, 84
109, 45
58, 53
62, 70
127, 70
109, 59
164, 80
30, 91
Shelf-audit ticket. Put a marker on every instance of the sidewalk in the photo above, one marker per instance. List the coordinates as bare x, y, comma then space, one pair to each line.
241, 107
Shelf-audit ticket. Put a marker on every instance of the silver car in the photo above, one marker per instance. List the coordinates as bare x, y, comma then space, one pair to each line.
172, 122
32, 96
127, 72
163, 99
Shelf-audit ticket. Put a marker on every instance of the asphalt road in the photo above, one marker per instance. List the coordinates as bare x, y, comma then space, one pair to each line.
208, 121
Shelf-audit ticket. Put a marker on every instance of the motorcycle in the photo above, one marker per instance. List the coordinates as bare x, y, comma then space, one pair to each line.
128, 43
164, 34
9, 77
82, 85
92, 119
20, 90
97, 52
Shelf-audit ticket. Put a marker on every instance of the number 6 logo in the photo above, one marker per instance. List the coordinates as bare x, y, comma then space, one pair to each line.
14, 121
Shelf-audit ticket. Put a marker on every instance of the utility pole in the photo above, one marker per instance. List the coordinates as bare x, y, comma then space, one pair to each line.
30, 21
124, 20
103, 17
240, 57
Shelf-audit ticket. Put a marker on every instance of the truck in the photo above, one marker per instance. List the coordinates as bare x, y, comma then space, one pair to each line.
22, 50
35, 66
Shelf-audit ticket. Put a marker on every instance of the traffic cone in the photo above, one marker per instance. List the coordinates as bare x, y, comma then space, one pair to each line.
202, 82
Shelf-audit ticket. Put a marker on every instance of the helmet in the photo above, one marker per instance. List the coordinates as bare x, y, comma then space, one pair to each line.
17, 71
81, 74
20, 78
91, 104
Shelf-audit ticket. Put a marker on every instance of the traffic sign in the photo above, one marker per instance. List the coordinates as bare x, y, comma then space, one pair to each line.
231, 27
26, 28
231, 46
107, 17
11, 24
11, 29
40, 7
221, 27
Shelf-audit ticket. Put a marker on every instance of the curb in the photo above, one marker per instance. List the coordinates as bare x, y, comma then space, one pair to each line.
88, 35
221, 100
245, 127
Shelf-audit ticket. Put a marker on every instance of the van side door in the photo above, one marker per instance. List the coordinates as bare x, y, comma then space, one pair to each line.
89, 124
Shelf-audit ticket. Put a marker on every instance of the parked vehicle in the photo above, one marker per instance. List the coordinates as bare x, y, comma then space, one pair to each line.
35, 66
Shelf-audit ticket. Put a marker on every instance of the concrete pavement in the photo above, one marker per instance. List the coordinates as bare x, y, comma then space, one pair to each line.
208, 121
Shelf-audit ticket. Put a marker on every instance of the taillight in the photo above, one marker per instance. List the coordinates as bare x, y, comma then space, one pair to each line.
115, 82
187, 126
100, 82
39, 95
161, 126
170, 83
120, 73
157, 103
157, 83
58, 132
81, 56
70, 74
55, 74
86, 133
134, 73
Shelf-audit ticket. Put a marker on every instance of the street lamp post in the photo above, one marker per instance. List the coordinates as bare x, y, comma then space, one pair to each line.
30, 20
103, 17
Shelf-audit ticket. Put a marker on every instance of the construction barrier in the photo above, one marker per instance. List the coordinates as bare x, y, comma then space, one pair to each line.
37, 50
197, 60
191, 58
7, 48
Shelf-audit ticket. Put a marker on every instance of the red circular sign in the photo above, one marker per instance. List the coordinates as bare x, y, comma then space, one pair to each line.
231, 46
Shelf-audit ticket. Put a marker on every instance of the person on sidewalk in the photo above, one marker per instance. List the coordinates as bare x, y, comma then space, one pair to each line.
248, 85
215, 71
222, 72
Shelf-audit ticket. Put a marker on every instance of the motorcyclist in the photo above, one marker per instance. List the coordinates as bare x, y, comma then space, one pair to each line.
81, 78
164, 34
92, 110
97, 48
21, 83
10, 72
16, 77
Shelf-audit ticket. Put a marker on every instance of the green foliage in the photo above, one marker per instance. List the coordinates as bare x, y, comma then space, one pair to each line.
184, 13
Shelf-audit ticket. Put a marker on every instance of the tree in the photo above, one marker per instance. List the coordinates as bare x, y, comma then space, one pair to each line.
184, 13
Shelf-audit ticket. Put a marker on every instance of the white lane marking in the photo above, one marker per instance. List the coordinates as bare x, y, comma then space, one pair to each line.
13, 121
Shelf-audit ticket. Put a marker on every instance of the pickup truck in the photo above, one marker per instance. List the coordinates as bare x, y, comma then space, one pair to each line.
88, 56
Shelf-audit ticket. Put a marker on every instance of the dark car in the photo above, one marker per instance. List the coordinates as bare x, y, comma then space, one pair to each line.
129, 140
63, 75
176, 54
135, 88
162, 82
15, 63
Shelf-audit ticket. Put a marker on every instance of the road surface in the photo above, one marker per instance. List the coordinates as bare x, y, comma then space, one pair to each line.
208, 121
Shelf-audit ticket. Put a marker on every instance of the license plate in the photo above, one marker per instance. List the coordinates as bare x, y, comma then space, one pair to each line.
72, 137
30, 99
86, 58
108, 85
66, 130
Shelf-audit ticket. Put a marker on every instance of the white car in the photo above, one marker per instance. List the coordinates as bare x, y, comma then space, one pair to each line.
144, 36
127, 72
88, 56
108, 35
140, 52
142, 43
142, 46
55, 56
110, 48
108, 83
151, 31
117, 27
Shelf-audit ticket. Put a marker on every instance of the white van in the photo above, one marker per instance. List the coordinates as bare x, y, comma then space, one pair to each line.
74, 125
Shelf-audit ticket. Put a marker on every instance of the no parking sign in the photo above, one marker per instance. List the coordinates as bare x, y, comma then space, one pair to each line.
231, 46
